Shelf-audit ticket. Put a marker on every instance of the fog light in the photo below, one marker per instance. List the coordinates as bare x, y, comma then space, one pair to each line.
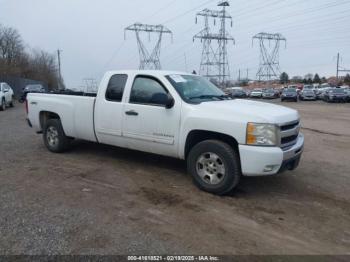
269, 168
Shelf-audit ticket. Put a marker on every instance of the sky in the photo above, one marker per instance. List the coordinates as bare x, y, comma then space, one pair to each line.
90, 33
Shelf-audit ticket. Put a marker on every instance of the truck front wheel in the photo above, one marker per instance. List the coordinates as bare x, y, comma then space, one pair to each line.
54, 137
214, 166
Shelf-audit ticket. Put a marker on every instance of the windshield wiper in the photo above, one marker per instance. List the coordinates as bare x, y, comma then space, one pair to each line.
220, 97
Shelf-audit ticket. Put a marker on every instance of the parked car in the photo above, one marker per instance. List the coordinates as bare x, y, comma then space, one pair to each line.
256, 93
335, 95
278, 92
34, 88
6, 96
178, 115
347, 92
320, 92
308, 94
269, 94
238, 93
289, 94
309, 87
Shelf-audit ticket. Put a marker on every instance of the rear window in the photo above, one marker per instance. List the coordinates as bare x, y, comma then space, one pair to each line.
115, 88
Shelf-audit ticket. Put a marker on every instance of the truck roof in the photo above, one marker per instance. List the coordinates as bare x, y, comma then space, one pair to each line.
148, 72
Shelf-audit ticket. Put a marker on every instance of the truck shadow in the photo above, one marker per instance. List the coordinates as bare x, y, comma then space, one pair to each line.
249, 187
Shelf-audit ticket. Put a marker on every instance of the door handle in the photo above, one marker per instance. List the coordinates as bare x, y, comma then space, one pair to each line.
131, 113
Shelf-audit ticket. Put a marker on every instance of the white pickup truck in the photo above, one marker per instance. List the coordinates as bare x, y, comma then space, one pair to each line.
178, 115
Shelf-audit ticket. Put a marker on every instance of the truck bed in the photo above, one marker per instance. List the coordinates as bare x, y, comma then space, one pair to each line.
75, 109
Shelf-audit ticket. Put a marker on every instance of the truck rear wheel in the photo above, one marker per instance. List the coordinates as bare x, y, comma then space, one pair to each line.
54, 137
214, 166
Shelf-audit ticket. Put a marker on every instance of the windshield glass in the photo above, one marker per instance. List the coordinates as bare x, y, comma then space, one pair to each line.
337, 91
290, 90
33, 88
196, 88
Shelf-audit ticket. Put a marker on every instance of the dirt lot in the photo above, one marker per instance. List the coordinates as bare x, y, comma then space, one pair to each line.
98, 199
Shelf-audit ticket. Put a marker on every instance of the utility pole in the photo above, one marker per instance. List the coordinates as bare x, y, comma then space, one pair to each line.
247, 74
239, 75
59, 68
338, 67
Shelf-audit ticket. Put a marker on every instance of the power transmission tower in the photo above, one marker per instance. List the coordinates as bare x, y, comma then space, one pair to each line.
269, 67
340, 68
148, 60
214, 62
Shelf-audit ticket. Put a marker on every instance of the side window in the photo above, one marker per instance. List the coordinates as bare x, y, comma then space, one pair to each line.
115, 88
146, 90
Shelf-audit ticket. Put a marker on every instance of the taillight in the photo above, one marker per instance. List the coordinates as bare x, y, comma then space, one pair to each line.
26, 103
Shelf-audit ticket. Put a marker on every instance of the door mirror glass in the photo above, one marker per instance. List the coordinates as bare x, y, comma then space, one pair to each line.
162, 99
170, 103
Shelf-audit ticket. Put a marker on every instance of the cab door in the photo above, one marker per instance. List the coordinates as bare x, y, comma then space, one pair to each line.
148, 123
109, 111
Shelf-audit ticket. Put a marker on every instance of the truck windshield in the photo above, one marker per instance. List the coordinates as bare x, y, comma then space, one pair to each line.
196, 89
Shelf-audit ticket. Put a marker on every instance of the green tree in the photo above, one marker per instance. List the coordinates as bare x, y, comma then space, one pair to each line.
347, 79
317, 79
284, 78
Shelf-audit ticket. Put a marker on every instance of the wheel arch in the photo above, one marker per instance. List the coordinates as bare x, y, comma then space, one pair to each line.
196, 136
44, 116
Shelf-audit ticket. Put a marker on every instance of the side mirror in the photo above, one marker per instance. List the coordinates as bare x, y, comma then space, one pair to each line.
163, 99
170, 102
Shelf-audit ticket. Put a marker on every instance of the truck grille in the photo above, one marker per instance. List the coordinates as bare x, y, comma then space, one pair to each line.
289, 133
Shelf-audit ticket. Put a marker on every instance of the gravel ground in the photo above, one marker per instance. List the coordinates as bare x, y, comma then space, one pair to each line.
98, 199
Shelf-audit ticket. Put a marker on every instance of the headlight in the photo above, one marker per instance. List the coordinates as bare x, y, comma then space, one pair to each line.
261, 134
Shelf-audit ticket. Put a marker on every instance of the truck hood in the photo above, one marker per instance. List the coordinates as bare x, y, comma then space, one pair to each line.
249, 111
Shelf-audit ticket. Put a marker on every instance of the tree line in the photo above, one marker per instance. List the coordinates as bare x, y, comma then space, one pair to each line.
18, 61
310, 79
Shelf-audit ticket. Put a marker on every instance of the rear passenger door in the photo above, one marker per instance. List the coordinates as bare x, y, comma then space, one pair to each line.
109, 111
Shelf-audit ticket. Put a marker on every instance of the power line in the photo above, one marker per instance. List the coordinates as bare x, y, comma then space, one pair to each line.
187, 12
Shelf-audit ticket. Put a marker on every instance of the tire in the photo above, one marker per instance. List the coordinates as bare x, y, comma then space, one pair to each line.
3, 105
207, 159
54, 137
12, 104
